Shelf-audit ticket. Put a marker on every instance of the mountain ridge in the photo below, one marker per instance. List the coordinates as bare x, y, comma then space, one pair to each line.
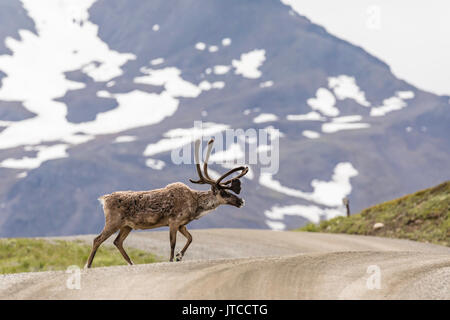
399, 152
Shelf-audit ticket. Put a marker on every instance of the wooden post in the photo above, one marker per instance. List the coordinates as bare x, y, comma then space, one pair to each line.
346, 203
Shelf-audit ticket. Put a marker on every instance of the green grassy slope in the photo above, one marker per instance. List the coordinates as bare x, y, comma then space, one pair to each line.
422, 216
26, 255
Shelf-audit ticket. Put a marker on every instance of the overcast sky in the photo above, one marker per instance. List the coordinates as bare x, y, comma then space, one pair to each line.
412, 36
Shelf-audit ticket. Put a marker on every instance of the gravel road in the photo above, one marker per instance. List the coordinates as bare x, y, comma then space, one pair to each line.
256, 264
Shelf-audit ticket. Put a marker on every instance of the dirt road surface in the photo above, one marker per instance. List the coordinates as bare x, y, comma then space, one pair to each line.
255, 264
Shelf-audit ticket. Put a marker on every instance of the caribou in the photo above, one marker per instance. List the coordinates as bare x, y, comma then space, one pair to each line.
174, 206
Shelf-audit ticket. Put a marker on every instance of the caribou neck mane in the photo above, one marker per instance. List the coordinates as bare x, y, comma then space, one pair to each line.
207, 201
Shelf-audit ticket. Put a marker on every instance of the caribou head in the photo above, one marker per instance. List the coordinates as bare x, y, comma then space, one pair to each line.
220, 188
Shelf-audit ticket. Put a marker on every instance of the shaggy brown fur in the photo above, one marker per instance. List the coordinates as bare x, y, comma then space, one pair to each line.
174, 206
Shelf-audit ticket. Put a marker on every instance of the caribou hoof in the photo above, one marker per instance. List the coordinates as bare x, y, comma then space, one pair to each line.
179, 256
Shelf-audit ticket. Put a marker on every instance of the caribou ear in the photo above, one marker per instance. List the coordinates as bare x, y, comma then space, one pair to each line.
235, 186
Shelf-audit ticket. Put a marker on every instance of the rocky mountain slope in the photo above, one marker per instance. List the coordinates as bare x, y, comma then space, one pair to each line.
92, 91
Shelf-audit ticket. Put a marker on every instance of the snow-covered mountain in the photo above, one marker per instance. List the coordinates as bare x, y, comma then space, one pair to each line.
94, 95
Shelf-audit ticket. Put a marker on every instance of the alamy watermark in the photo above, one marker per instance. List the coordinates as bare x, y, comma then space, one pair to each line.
373, 21
234, 147
374, 280
73, 281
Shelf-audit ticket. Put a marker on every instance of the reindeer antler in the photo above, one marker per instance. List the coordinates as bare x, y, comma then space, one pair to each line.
205, 179
202, 179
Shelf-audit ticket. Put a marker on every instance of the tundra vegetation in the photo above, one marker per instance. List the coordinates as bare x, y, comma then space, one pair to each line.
421, 216
29, 255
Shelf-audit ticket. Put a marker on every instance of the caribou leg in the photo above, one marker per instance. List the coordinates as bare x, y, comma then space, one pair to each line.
123, 233
106, 233
183, 230
173, 240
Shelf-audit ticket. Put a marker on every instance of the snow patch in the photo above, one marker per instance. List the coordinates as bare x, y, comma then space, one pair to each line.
311, 134
226, 42
171, 80
135, 109
405, 95
346, 119
274, 133
324, 102
123, 139
103, 94
218, 85
66, 40
22, 175
176, 138
200, 46
213, 48
220, 69
266, 84
345, 87
332, 127
249, 63
206, 85
276, 225
394, 103
155, 164
310, 212
157, 61
310, 116
265, 117
44, 153
328, 193
233, 154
